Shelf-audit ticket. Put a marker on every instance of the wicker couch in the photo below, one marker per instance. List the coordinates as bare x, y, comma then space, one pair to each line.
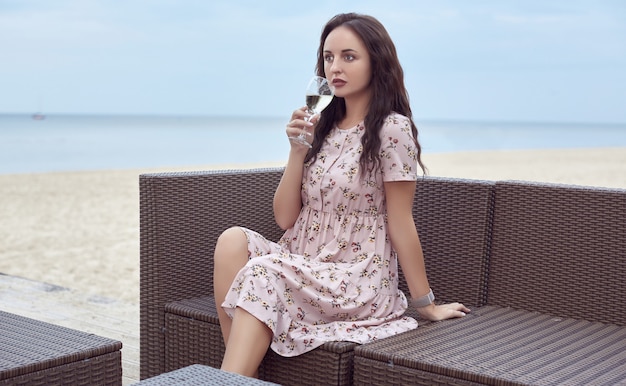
524, 256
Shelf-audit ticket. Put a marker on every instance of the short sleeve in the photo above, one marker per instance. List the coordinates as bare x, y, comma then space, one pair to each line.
398, 151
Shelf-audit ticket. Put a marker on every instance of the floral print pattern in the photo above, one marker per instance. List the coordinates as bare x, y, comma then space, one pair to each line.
334, 275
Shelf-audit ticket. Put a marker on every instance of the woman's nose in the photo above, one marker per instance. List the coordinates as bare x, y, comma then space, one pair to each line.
335, 68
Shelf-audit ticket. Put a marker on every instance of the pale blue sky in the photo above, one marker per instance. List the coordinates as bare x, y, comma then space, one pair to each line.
532, 60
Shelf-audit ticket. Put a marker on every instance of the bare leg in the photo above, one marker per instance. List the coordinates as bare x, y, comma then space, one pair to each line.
231, 254
247, 344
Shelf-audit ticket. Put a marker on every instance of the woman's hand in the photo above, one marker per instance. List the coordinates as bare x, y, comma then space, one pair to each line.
298, 123
436, 312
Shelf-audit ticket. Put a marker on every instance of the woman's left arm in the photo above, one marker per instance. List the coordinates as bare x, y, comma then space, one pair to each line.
406, 242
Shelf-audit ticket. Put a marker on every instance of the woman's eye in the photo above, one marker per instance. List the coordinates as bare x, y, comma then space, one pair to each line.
328, 58
349, 58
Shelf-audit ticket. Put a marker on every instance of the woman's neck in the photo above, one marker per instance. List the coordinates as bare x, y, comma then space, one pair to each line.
356, 110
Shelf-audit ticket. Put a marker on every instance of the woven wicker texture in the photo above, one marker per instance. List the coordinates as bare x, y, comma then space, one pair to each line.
560, 250
38, 353
498, 346
200, 375
194, 336
453, 218
385, 374
330, 364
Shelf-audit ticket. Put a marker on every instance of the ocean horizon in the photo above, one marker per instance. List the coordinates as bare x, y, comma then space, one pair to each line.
100, 142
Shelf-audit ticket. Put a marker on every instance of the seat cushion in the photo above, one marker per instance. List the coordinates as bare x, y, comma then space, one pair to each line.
494, 345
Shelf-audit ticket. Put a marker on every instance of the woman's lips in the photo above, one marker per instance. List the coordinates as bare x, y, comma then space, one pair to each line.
338, 82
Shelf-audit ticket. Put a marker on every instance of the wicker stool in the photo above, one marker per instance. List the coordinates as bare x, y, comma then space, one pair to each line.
201, 375
38, 353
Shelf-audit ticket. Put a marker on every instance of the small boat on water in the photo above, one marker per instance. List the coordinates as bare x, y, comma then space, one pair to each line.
39, 115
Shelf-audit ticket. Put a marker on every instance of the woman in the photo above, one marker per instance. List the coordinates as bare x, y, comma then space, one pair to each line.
346, 207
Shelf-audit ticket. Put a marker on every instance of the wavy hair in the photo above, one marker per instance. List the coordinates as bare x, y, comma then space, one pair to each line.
387, 83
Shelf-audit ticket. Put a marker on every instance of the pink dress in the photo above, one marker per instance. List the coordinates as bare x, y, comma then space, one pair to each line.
334, 275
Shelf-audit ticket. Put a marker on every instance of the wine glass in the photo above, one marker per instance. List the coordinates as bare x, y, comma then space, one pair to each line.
319, 94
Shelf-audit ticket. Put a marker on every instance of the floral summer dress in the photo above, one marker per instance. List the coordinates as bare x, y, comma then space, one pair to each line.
334, 275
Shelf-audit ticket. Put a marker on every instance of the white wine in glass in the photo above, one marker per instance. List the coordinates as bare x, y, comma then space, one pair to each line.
319, 94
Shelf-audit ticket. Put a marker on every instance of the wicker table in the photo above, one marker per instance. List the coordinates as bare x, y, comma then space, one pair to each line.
38, 353
201, 375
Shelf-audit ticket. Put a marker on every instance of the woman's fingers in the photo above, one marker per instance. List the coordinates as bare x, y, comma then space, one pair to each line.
299, 124
443, 311
299, 113
457, 309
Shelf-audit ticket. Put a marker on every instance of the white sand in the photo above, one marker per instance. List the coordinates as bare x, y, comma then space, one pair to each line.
80, 230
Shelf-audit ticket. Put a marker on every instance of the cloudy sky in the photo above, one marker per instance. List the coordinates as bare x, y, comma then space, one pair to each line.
532, 60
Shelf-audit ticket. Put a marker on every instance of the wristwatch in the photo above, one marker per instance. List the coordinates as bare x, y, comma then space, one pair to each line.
423, 301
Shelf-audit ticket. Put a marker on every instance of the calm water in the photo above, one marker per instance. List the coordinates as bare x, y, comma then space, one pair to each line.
67, 143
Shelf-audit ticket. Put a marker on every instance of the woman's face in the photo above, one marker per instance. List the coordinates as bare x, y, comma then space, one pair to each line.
347, 63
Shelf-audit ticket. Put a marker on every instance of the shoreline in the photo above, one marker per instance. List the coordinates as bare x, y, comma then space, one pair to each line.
602, 167
80, 230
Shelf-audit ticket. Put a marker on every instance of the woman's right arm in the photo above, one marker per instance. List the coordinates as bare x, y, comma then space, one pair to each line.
287, 198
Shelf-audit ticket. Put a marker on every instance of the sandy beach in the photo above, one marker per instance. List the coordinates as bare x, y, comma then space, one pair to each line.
80, 230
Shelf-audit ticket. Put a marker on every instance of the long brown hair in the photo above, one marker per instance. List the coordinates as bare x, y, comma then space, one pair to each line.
387, 83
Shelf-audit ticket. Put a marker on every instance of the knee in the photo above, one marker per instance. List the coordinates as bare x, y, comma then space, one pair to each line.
232, 243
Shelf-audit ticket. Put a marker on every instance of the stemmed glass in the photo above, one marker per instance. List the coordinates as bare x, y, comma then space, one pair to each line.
319, 94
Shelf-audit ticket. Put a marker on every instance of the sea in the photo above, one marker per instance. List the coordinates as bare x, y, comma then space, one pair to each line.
98, 142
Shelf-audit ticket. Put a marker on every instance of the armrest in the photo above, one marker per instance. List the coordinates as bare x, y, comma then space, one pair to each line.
181, 216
